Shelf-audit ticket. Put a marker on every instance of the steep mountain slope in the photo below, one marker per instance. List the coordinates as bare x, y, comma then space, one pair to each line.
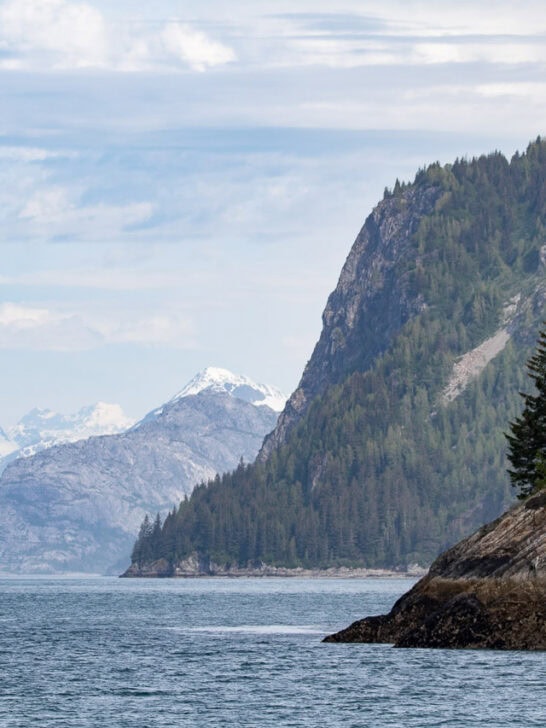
370, 304
392, 446
77, 506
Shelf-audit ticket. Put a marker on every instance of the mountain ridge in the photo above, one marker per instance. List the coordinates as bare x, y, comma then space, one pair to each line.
77, 506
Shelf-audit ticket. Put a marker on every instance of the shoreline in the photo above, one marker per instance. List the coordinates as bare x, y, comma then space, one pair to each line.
185, 571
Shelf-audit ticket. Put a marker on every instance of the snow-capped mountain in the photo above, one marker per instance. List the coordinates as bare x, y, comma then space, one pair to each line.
40, 429
44, 428
214, 379
77, 506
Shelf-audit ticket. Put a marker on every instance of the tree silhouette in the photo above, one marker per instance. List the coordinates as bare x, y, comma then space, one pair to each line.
527, 441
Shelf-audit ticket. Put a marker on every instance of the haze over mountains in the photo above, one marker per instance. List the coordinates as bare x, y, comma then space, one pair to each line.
76, 506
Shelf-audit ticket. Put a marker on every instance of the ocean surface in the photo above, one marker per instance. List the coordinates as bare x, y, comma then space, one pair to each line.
115, 653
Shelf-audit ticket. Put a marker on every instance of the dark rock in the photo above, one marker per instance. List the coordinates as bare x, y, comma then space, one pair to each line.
488, 591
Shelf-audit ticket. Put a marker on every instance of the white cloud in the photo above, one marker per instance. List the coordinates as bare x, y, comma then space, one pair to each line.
364, 33
168, 330
113, 279
72, 35
194, 47
31, 154
47, 206
26, 327
21, 317
57, 211
54, 329
45, 35
528, 90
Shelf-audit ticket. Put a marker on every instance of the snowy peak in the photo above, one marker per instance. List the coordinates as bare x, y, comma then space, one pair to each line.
214, 379
42, 428
102, 419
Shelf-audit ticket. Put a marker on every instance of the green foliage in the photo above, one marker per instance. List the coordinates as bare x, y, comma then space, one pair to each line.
527, 443
149, 544
382, 470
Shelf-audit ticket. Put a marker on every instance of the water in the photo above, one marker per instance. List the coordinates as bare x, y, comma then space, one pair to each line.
115, 653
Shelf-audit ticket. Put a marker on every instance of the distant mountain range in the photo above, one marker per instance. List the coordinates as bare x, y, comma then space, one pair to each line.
76, 506
40, 429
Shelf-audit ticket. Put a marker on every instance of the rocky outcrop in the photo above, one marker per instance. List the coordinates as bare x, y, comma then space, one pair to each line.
371, 303
488, 591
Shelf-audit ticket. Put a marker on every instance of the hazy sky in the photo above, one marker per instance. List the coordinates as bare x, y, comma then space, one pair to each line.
182, 181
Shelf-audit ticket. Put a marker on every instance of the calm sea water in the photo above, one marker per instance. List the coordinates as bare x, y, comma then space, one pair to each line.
247, 652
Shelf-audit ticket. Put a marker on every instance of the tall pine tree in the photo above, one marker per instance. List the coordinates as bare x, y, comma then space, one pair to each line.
527, 441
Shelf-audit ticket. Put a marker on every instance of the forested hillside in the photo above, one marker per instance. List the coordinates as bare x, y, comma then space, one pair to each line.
392, 448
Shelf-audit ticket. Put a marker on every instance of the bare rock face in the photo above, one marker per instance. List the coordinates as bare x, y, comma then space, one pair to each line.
77, 507
488, 591
371, 303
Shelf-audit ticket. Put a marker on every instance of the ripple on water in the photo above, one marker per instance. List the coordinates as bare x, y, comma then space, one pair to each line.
90, 653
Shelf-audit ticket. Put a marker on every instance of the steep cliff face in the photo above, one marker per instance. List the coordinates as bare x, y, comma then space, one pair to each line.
487, 591
369, 305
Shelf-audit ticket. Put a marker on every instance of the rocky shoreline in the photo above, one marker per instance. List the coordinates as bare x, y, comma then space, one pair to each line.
488, 591
194, 567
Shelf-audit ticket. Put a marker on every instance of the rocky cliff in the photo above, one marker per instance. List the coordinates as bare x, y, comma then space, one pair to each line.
369, 305
487, 591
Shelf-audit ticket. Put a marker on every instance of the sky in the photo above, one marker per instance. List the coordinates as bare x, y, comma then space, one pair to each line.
181, 182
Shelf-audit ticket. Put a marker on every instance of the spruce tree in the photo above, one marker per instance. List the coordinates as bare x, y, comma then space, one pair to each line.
527, 441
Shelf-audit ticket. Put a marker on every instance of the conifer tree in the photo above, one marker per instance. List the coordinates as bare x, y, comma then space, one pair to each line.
527, 441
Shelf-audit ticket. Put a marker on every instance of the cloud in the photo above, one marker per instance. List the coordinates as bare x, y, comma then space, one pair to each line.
53, 35
56, 211
194, 47
31, 154
528, 90
24, 327
49, 329
411, 33
47, 206
112, 279
168, 330
69, 35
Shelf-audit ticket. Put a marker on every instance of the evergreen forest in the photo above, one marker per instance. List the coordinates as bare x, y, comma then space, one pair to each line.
383, 470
